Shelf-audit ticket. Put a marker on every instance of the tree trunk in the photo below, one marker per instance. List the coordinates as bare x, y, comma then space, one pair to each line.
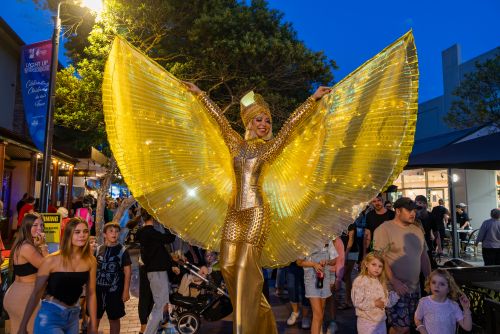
126, 203
101, 199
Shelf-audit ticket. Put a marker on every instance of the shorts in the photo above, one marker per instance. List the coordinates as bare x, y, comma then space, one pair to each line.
111, 303
401, 314
310, 286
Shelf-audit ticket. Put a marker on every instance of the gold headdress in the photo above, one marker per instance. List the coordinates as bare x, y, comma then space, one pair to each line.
252, 105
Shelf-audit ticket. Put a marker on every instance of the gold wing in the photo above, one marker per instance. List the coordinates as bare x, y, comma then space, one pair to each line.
355, 143
169, 150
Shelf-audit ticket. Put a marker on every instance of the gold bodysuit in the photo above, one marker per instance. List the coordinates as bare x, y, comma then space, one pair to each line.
247, 222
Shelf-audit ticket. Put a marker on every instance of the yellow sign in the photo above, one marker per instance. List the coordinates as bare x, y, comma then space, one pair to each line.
52, 227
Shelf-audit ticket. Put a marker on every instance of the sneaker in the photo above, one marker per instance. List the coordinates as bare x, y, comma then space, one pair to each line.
332, 328
306, 323
292, 319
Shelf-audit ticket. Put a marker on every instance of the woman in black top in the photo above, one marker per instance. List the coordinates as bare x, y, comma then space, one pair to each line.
26, 255
62, 276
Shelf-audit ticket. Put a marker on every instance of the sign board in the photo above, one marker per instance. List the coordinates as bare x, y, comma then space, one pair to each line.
52, 227
35, 81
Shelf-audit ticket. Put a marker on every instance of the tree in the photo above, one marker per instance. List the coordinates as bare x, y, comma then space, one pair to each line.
478, 97
225, 46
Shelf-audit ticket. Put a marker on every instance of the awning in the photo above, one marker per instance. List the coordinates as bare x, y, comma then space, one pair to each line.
479, 153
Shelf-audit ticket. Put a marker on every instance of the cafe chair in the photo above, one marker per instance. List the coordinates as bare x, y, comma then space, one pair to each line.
471, 242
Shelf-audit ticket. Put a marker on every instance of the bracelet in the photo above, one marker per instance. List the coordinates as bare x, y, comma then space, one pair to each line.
422, 325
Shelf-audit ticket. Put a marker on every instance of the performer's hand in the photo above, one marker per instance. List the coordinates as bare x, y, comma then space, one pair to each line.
321, 91
192, 87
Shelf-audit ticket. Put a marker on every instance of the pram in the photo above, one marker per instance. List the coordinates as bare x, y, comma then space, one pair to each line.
212, 303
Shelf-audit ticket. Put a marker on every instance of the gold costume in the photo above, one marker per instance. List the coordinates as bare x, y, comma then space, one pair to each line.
184, 163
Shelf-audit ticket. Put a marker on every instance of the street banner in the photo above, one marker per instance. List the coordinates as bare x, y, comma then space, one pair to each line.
52, 227
35, 81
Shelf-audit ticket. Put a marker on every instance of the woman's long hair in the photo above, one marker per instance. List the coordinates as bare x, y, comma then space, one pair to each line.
364, 268
24, 234
66, 241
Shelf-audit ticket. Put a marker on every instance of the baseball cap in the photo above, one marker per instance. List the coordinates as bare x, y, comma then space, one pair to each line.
461, 205
404, 202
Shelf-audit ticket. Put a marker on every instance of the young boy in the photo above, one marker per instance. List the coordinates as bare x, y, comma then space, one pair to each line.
113, 277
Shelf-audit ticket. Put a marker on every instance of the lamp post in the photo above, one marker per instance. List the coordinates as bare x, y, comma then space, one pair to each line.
94, 5
454, 233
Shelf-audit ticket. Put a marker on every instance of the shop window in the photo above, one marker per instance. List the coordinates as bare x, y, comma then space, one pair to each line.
437, 178
412, 193
414, 178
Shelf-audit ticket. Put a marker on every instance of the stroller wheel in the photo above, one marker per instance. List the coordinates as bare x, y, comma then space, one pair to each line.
188, 323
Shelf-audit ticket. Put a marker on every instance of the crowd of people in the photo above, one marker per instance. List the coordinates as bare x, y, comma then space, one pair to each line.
84, 280
390, 245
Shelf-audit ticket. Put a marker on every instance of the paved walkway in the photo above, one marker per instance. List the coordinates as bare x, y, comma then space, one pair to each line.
346, 320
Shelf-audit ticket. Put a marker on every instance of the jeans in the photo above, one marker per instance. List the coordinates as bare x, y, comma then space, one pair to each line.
56, 319
158, 280
295, 285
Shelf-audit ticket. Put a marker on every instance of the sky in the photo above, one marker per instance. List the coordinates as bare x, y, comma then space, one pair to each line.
350, 32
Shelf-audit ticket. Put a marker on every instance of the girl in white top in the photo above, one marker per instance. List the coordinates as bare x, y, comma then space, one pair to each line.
370, 296
439, 313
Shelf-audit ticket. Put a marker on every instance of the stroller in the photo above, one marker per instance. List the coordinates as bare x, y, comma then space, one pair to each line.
212, 303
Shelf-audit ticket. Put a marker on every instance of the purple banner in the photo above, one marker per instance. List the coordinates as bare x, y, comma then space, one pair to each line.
35, 81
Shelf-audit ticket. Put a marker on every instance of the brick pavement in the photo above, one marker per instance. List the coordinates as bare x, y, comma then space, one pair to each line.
346, 320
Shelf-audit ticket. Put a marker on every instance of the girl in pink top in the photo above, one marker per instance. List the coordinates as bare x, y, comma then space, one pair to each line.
370, 296
439, 313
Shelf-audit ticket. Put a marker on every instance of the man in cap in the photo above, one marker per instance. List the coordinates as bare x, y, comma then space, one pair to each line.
405, 250
463, 222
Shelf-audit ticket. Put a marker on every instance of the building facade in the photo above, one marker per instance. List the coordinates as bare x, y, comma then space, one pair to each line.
478, 188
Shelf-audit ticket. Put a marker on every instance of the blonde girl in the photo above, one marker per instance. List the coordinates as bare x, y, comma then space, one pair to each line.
62, 276
370, 296
439, 312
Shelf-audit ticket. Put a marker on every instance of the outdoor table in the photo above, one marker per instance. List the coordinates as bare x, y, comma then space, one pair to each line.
459, 230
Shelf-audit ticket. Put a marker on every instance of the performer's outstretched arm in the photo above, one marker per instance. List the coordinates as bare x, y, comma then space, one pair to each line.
277, 144
232, 139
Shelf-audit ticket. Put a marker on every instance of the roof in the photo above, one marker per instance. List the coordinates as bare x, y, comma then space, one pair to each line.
479, 153
10, 32
435, 142
27, 144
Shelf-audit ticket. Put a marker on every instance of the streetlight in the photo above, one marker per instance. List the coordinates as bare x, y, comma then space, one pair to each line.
96, 6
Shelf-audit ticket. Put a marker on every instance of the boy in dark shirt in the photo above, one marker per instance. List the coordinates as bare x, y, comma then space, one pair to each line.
113, 277
157, 262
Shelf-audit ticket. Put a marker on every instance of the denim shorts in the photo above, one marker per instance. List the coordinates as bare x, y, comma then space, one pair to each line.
53, 318
312, 291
